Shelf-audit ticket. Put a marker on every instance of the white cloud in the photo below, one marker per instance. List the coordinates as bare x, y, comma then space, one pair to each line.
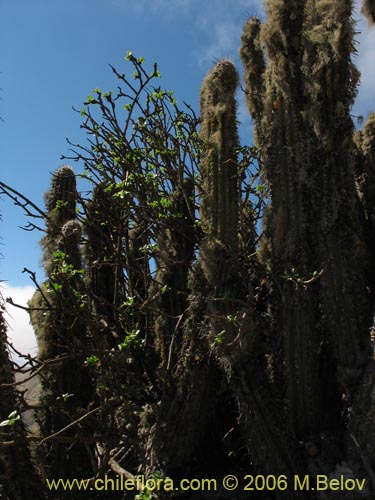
223, 25
219, 21
20, 332
225, 42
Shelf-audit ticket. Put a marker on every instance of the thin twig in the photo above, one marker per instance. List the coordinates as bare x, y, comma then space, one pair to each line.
7, 190
120, 470
69, 426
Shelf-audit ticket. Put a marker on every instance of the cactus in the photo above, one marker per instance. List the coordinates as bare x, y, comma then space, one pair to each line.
365, 179
175, 244
60, 203
254, 67
344, 268
308, 158
59, 328
238, 352
219, 206
100, 247
285, 137
203, 336
183, 418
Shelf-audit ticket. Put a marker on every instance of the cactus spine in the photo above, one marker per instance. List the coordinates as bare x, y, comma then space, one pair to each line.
219, 207
237, 353
193, 330
184, 416
308, 157
284, 136
59, 329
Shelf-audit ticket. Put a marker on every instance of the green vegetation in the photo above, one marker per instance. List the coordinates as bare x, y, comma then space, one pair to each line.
208, 306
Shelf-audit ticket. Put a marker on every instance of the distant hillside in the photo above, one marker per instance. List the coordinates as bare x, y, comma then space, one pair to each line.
31, 396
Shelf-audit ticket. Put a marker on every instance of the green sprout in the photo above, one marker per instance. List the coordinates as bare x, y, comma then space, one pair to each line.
11, 420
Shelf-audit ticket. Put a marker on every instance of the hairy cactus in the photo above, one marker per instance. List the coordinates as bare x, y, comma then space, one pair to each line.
308, 159
233, 331
365, 176
99, 251
60, 246
56, 317
175, 242
332, 32
252, 57
61, 204
285, 137
219, 166
187, 404
203, 332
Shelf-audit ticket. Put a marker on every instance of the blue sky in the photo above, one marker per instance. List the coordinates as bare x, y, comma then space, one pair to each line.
54, 53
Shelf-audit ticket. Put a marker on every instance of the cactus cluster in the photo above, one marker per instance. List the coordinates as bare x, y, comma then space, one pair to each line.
177, 335
56, 315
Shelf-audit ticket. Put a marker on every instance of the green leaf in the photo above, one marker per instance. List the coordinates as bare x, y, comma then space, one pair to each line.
129, 301
11, 420
131, 340
218, 339
64, 397
92, 360
56, 287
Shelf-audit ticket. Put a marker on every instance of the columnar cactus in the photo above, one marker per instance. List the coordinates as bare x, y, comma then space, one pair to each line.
61, 205
308, 156
99, 252
56, 316
201, 337
254, 64
187, 404
365, 178
285, 138
175, 251
233, 332
219, 206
